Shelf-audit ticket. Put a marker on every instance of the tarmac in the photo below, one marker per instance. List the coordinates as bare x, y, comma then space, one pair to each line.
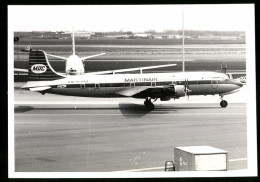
72, 134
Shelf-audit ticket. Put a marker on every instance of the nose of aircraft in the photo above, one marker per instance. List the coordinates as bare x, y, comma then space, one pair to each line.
238, 83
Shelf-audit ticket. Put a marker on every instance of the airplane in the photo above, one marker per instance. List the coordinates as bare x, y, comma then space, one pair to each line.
74, 64
165, 86
112, 83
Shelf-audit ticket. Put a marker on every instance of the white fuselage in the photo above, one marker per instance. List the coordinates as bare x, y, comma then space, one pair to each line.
118, 85
74, 66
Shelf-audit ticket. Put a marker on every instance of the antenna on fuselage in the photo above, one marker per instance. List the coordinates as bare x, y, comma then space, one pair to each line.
183, 62
73, 42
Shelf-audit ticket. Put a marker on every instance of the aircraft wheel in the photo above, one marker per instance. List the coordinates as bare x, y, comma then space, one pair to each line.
223, 103
149, 106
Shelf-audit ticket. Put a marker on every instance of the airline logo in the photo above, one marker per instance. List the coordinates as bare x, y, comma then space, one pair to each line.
38, 68
140, 79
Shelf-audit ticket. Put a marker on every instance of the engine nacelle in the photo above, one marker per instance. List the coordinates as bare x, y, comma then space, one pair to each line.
174, 91
165, 98
179, 90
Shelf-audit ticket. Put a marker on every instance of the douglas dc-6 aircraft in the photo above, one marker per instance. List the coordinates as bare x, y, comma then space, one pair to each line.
149, 86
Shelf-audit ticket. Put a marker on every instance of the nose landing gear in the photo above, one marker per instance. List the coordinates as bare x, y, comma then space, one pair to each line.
148, 104
223, 103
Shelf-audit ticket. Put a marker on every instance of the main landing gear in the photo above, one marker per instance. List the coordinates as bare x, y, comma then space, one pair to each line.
148, 104
223, 103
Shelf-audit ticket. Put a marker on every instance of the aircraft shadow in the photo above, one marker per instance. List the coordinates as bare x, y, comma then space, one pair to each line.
127, 109
22, 109
132, 110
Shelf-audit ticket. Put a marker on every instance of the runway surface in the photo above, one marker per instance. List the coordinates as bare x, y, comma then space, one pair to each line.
71, 134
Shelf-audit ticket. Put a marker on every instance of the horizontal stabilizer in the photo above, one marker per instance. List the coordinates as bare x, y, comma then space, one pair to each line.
59, 57
131, 69
38, 89
21, 70
88, 57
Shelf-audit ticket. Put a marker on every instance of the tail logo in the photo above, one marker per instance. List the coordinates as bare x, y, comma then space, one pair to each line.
38, 68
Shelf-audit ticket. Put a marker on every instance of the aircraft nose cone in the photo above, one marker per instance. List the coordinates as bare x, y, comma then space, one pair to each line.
239, 84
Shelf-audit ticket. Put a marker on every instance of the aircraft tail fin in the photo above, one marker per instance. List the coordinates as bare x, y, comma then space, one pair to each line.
39, 68
73, 43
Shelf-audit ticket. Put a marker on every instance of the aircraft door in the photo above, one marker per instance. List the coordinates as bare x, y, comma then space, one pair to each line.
153, 84
214, 84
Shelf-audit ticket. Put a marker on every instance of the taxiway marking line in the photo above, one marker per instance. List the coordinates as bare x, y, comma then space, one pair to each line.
162, 167
143, 169
241, 159
171, 114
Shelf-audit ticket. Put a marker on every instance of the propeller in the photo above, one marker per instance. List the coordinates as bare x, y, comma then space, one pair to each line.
186, 88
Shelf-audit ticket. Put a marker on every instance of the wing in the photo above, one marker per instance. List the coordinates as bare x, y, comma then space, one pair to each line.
143, 92
130, 69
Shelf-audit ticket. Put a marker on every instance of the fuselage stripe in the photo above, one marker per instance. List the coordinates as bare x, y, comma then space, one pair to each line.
136, 84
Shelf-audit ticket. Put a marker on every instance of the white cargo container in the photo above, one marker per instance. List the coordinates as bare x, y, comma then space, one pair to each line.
200, 158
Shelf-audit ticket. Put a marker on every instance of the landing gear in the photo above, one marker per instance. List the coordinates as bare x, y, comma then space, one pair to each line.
148, 104
223, 103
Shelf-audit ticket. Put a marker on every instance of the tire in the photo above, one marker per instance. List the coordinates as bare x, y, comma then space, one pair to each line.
223, 103
149, 106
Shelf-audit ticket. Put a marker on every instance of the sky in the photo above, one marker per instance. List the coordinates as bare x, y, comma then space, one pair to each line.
136, 18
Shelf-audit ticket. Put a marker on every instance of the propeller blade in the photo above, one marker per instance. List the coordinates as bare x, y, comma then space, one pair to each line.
187, 89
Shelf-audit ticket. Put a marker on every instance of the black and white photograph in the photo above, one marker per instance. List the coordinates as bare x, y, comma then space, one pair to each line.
126, 91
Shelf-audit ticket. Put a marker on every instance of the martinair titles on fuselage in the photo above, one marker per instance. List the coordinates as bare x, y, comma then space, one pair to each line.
141, 79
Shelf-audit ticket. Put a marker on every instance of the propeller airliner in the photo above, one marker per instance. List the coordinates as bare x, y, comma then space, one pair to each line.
116, 83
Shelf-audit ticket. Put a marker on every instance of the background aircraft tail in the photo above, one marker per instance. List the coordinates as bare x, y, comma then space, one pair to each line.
39, 68
73, 43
